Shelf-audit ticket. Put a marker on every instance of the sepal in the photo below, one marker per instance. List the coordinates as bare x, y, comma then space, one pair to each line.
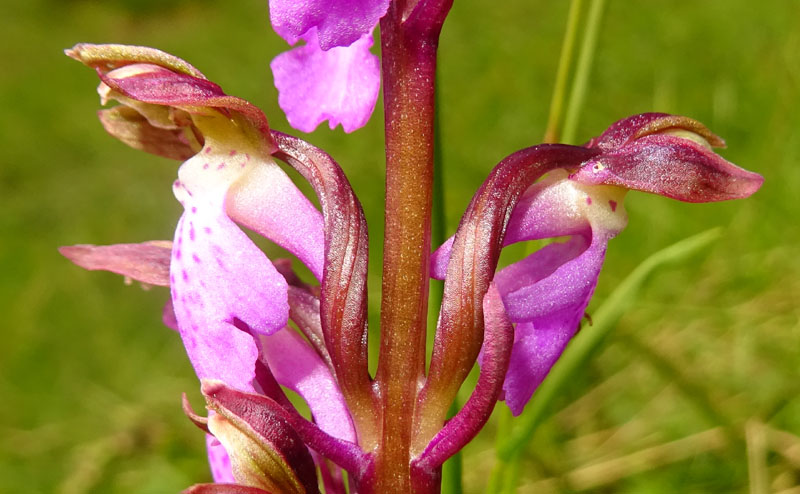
147, 262
667, 155
199, 421
135, 130
265, 451
627, 130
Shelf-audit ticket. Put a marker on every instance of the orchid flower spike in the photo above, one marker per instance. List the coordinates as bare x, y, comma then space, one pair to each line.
333, 76
546, 293
228, 301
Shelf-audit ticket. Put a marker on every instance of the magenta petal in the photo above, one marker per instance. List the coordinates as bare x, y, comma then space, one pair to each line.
551, 280
147, 262
440, 258
223, 288
548, 310
534, 353
297, 366
339, 22
528, 288
168, 316
339, 85
219, 461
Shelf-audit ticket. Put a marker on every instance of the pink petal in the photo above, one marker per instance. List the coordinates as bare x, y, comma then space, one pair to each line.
297, 366
268, 202
440, 258
527, 284
147, 262
562, 280
553, 207
535, 351
339, 22
223, 288
168, 316
219, 461
339, 85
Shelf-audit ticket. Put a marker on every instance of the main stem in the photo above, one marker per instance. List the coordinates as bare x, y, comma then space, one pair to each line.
409, 68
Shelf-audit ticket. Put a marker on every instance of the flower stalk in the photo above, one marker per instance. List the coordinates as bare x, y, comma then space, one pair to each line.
409, 40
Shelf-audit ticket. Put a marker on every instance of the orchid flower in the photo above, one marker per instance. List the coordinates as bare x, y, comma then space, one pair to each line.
333, 76
169, 108
546, 293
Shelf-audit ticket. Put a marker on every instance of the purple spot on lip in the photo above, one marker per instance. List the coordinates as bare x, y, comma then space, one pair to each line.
196, 259
221, 166
205, 167
177, 254
194, 209
207, 229
191, 232
232, 153
185, 275
208, 149
613, 205
588, 200
247, 156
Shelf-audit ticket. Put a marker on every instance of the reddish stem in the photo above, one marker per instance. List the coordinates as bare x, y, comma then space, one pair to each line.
409, 40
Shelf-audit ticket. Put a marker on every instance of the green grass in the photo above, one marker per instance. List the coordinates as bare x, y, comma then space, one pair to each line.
91, 381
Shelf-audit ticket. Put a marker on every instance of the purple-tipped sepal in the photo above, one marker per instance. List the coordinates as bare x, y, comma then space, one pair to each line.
666, 155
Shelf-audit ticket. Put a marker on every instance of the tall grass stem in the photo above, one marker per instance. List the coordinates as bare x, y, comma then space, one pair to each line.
553, 131
583, 71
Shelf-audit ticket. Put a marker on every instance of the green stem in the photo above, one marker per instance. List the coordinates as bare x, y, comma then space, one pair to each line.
500, 469
453, 469
553, 132
583, 71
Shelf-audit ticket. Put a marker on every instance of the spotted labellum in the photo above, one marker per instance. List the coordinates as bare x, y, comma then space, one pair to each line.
254, 329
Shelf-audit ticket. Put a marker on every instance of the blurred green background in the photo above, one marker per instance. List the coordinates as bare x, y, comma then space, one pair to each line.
695, 391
